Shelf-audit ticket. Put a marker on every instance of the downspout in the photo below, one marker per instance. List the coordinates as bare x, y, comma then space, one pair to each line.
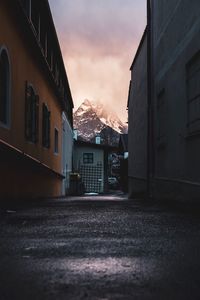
149, 101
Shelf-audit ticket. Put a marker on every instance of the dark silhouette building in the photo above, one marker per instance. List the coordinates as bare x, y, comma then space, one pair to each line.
175, 107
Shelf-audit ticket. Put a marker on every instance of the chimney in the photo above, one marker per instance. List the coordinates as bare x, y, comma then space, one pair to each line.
75, 134
98, 140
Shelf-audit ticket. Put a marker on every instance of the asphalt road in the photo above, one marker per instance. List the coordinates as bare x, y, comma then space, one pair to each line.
99, 248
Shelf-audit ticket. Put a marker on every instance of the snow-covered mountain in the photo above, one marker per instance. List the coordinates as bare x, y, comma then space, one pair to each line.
91, 118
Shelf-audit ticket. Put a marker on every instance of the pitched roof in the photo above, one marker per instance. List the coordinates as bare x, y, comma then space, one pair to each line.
139, 48
93, 145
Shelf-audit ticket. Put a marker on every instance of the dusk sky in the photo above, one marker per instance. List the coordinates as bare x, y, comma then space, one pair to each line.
98, 39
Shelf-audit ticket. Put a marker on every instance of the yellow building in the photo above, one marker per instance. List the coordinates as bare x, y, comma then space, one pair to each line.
34, 94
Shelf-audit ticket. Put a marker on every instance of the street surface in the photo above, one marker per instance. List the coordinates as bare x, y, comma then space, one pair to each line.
99, 248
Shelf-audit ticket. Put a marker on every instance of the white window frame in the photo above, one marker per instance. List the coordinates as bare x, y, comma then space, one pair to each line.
56, 152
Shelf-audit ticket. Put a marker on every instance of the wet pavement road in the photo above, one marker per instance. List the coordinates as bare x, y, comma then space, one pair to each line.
99, 248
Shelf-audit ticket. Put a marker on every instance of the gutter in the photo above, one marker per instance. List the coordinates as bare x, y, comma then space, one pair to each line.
150, 144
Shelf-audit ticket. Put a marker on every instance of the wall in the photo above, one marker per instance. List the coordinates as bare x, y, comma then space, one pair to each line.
24, 179
24, 66
176, 34
98, 158
137, 119
67, 140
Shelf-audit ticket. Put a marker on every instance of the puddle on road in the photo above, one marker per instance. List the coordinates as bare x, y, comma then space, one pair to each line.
101, 266
101, 198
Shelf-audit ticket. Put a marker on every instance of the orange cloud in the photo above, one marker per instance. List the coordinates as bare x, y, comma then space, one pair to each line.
98, 40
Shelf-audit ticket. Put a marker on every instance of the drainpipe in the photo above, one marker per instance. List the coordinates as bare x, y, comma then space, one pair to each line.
149, 100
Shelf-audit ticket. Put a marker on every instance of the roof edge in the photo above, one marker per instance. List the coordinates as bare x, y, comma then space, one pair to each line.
139, 48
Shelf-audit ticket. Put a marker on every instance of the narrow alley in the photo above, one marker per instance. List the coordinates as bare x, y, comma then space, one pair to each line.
103, 247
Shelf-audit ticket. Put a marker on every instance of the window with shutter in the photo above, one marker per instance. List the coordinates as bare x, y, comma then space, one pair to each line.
46, 126
56, 141
31, 115
5, 83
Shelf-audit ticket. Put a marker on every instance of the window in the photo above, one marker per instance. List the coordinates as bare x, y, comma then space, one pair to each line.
35, 18
161, 116
31, 114
27, 7
55, 141
43, 37
45, 126
56, 74
51, 63
49, 51
88, 158
5, 86
193, 93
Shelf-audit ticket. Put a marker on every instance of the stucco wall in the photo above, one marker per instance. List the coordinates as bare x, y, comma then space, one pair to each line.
25, 67
24, 179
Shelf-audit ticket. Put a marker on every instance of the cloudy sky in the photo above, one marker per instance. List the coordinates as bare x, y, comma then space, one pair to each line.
98, 39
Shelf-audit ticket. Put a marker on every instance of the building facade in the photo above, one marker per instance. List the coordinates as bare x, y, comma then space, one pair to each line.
91, 162
123, 154
34, 93
67, 152
137, 119
175, 30
176, 63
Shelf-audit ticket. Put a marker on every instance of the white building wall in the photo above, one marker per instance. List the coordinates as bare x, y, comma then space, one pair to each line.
98, 160
67, 148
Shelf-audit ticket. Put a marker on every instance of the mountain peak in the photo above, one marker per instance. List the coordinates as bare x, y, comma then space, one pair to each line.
92, 117
86, 102
91, 104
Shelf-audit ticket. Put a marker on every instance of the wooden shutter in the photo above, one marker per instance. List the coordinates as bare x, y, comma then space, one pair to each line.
43, 125
46, 127
36, 118
49, 128
28, 118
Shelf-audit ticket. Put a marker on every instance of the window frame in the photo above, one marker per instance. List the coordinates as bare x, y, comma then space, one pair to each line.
35, 18
46, 126
56, 141
31, 116
87, 159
